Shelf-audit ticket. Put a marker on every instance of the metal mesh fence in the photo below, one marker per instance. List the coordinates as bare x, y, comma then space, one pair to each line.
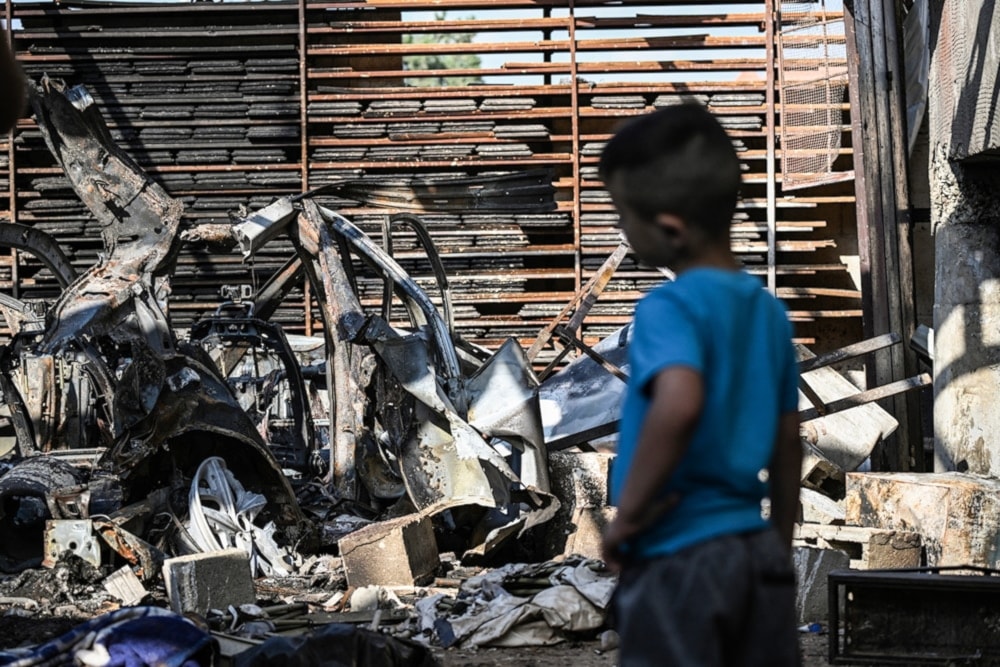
813, 89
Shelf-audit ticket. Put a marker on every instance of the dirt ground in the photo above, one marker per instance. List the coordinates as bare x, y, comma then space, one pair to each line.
588, 654
18, 630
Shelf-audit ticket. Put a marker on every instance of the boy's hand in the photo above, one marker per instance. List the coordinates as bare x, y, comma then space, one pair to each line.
621, 531
617, 534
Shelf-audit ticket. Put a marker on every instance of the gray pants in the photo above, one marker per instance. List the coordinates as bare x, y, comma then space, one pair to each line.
726, 602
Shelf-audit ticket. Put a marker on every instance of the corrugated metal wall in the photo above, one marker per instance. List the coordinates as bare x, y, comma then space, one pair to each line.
232, 104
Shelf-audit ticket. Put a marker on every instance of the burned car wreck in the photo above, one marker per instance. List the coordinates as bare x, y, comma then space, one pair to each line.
126, 437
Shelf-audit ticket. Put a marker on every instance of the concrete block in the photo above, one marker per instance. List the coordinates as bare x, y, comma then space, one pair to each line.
868, 548
812, 565
819, 508
580, 481
125, 586
397, 552
588, 524
213, 580
957, 515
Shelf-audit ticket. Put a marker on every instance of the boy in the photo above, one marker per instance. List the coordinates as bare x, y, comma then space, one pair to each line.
706, 479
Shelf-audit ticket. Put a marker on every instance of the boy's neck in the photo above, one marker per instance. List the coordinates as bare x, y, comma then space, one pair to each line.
709, 257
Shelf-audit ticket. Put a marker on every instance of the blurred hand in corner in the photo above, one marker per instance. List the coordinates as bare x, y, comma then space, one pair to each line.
12, 90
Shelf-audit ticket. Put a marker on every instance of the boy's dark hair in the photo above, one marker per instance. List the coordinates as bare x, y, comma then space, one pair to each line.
677, 160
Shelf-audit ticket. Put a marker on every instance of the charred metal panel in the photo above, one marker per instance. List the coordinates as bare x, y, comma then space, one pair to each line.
914, 617
138, 220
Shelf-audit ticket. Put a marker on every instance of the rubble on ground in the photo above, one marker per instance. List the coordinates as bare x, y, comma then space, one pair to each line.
386, 486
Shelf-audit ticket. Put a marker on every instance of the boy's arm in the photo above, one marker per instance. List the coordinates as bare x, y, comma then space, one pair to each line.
786, 476
677, 396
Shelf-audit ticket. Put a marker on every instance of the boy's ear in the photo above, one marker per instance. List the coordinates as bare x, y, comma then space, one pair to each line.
671, 225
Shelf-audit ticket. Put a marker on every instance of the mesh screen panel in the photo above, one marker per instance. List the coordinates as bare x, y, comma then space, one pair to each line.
813, 89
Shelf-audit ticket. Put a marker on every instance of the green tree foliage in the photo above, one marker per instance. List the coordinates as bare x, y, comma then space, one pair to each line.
441, 61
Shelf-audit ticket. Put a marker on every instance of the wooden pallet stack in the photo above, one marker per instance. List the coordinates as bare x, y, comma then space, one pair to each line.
230, 105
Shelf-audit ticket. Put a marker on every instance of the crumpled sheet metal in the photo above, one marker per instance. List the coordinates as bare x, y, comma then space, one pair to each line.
584, 395
445, 461
496, 613
504, 404
145, 559
194, 416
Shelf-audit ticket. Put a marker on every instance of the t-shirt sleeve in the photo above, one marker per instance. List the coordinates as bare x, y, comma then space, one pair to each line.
664, 334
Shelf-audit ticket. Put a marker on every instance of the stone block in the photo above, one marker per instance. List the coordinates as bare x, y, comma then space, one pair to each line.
868, 548
397, 552
819, 508
588, 527
812, 565
957, 515
214, 580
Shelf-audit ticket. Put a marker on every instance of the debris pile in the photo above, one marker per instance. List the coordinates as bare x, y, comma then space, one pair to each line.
367, 477
221, 466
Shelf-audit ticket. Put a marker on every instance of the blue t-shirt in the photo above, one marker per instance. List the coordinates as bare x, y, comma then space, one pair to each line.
725, 326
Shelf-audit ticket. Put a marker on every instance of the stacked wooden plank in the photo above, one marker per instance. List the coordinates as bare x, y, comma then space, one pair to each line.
229, 105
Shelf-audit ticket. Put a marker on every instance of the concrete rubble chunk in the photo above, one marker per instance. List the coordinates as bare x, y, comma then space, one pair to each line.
590, 523
370, 598
214, 580
868, 548
812, 565
819, 508
125, 586
820, 473
958, 515
397, 552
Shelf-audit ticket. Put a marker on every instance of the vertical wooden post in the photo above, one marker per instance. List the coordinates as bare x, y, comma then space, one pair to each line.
15, 277
910, 454
883, 215
575, 122
304, 139
772, 208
